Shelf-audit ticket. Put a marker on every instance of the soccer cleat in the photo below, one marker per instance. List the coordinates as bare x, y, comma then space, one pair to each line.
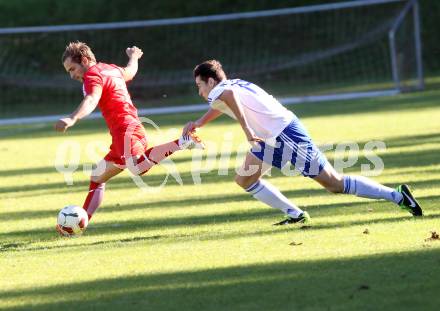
302, 218
190, 141
408, 202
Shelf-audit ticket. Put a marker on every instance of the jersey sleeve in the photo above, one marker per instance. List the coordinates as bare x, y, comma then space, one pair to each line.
215, 93
91, 79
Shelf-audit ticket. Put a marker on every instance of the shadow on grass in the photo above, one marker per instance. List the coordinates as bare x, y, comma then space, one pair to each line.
418, 158
176, 160
28, 171
413, 140
151, 224
197, 200
118, 182
199, 236
376, 282
394, 142
405, 160
143, 225
191, 201
174, 203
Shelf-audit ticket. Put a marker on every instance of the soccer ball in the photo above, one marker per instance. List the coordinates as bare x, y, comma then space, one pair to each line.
72, 220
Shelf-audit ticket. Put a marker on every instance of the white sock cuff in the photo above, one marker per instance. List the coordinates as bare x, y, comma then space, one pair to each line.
255, 187
349, 185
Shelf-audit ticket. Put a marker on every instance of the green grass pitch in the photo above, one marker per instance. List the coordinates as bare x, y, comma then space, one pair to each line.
207, 245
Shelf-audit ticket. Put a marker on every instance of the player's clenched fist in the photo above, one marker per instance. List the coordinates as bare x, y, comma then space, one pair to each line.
63, 124
134, 51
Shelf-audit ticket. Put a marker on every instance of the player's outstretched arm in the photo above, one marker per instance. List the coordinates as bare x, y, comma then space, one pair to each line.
210, 115
87, 105
133, 53
233, 102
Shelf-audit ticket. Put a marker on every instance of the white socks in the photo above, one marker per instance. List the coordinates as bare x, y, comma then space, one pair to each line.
367, 188
357, 185
267, 193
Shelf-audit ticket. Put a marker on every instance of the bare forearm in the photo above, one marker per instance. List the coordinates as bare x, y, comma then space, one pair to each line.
234, 104
133, 53
85, 108
131, 68
210, 115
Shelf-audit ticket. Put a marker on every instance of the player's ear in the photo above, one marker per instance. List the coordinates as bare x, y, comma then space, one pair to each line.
211, 82
84, 61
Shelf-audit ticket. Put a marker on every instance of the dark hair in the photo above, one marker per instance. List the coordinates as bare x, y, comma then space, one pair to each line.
210, 69
76, 51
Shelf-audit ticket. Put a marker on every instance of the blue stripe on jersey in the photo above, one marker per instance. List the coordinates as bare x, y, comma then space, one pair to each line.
244, 84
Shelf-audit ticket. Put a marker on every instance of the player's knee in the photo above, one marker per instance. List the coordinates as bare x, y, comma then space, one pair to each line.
243, 181
134, 170
97, 179
140, 166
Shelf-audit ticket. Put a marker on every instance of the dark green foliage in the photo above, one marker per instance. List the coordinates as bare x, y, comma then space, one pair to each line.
53, 12
25, 87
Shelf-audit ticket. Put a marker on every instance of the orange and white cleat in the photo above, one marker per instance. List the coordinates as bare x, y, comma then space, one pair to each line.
191, 141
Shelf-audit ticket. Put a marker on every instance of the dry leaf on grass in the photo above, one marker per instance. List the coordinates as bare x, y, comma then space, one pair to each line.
434, 236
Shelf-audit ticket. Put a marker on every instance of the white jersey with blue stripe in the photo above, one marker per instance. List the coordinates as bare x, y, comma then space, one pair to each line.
264, 114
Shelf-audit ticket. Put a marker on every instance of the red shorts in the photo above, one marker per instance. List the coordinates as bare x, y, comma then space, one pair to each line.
126, 143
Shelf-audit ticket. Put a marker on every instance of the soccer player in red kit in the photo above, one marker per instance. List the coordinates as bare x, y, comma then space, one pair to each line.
104, 85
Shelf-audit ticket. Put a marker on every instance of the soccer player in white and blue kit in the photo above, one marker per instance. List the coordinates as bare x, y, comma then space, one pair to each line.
278, 137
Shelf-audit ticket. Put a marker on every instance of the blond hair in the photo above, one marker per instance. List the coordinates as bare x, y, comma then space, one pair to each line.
76, 51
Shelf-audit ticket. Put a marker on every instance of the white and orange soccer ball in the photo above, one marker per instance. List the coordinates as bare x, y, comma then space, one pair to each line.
72, 220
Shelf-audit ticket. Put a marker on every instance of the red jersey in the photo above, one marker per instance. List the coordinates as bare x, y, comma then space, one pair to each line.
115, 103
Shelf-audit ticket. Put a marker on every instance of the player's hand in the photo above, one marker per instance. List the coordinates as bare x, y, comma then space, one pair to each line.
251, 137
254, 139
134, 52
63, 124
190, 127
254, 142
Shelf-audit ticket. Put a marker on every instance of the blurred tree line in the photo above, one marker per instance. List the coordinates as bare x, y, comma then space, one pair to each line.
56, 12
